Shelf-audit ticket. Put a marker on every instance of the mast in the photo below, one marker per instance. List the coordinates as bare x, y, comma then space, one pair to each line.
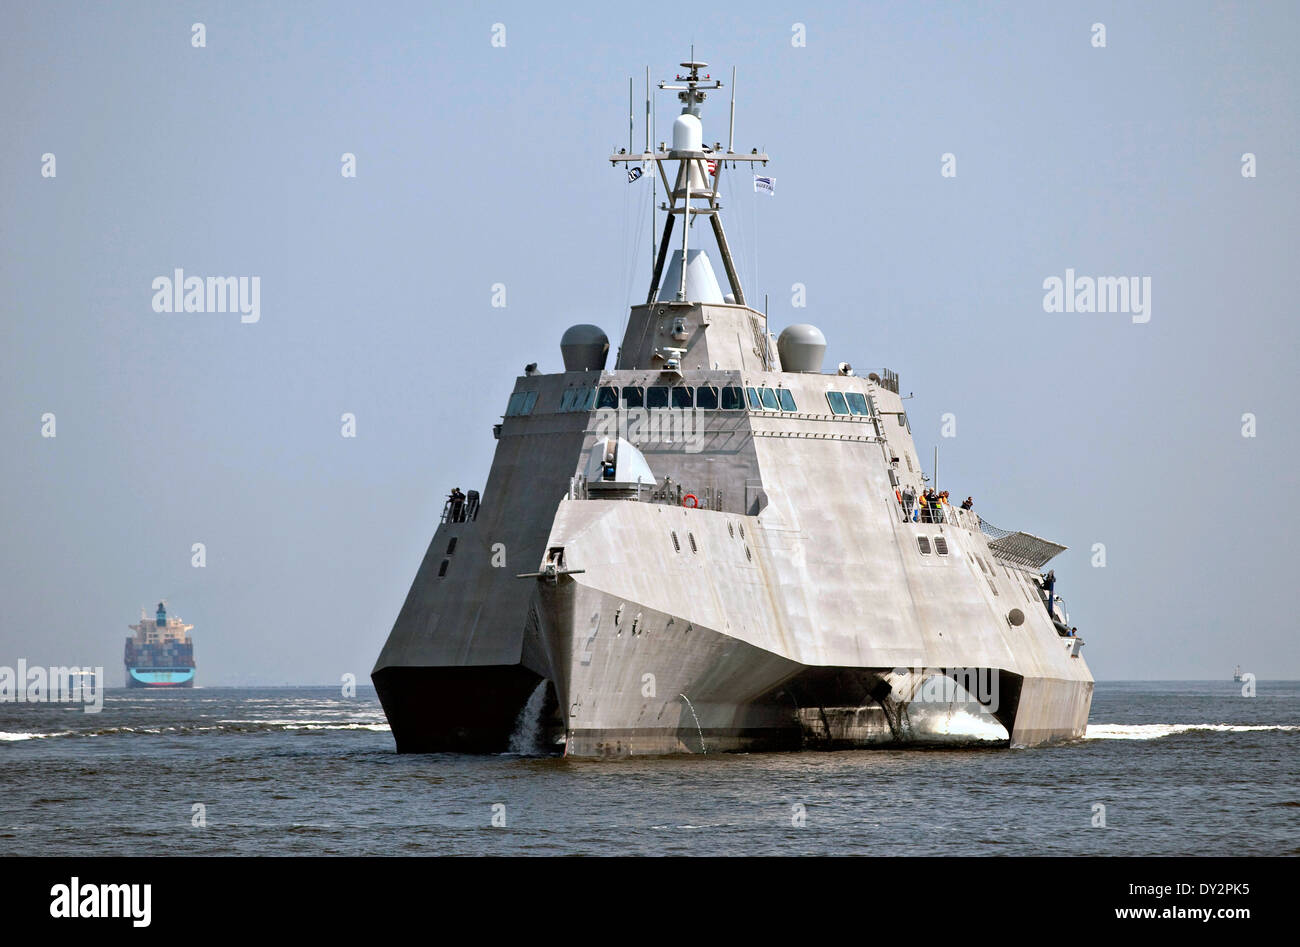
654, 185
691, 187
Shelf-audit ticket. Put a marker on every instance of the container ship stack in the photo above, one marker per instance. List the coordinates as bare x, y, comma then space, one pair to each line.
160, 653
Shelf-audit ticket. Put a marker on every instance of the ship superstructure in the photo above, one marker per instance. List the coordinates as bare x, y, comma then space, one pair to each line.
160, 653
716, 545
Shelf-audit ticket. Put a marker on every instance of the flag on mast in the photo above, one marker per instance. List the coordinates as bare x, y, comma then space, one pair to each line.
764, 185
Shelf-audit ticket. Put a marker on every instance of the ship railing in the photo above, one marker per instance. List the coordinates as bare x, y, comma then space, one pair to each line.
461, 509
937, 515
665, 494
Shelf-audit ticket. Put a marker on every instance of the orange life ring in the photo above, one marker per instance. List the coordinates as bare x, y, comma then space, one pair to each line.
695, 503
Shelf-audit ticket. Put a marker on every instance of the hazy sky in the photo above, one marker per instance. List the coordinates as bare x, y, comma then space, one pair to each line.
478, 164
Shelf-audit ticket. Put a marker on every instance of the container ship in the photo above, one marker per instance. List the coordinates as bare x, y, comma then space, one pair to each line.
160, 653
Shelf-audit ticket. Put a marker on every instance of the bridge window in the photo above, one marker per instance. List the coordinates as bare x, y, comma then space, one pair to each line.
683, 397
858, 403
838, 404
577, 399
634, 397
732, 400
754, 403
769, 399
656, 397
521, 402
706, 397
608, 397
786, 398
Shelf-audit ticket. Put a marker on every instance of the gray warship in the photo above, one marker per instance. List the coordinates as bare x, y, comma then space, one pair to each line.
716, 545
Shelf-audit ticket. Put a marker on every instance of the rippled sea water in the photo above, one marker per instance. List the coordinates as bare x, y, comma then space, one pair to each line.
1188, 767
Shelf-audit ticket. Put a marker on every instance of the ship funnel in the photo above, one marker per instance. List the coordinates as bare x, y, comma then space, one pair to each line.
802, 348
584, 348
701, 284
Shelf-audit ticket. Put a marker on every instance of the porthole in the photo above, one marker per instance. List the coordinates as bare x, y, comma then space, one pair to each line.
677, 547
451, 546
442, 569
691, 538
749, 556
923, 542
731, 530
941, 545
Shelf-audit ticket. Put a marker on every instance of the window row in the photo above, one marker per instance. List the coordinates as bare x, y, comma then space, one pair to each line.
851, 402
706, 397
521, 402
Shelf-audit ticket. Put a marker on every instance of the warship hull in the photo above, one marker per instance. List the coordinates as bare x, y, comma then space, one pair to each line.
714, 545
784, 619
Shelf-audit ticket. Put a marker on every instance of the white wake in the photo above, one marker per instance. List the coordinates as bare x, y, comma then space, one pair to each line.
1154, 731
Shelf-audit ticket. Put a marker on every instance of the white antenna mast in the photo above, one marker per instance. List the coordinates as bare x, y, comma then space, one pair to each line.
731, 135
654, 184
691, 156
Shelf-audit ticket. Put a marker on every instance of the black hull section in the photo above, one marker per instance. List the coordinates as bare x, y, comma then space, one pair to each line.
454, 709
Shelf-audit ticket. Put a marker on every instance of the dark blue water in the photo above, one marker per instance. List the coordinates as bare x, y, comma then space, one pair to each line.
1187, 768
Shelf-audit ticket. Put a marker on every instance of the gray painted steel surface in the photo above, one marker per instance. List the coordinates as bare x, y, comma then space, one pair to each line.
768, 591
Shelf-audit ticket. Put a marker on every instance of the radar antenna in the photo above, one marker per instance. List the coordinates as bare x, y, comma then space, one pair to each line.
691, 194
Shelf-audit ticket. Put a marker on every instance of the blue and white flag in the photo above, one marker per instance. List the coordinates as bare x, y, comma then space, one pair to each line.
764, 185
633, 174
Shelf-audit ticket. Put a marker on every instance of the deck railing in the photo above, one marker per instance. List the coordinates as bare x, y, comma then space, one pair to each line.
943, 513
